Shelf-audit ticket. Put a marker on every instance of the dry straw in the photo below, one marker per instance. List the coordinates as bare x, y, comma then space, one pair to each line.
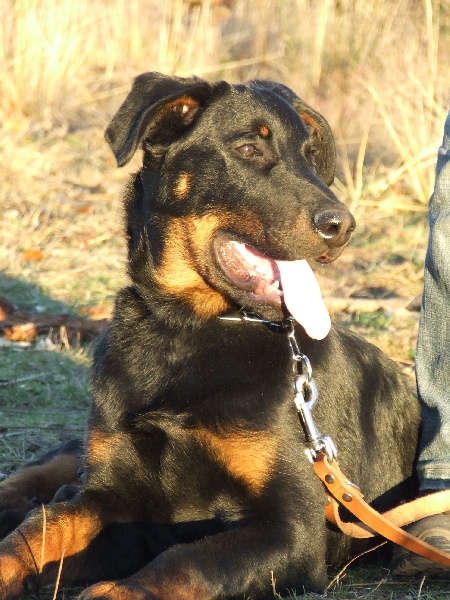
378, 70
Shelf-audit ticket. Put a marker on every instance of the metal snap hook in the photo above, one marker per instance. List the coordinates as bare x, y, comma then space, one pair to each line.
306, 388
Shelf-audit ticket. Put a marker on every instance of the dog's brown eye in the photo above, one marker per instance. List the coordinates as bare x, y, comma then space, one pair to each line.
248, 150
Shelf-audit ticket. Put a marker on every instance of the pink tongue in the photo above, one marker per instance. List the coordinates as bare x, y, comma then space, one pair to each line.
303, 297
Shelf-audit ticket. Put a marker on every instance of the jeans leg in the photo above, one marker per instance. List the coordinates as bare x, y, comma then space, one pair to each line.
433, 346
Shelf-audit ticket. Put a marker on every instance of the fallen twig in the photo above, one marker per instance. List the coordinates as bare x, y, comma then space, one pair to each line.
368, 305
24, 325
59, 575
345, 567
20, 379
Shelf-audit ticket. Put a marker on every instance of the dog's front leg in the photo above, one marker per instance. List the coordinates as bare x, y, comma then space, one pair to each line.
60, 533
254, 561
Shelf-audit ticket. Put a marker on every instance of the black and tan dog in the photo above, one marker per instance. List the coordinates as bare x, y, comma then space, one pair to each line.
196, 484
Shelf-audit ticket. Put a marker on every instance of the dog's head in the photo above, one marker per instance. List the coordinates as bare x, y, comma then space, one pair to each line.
233, 195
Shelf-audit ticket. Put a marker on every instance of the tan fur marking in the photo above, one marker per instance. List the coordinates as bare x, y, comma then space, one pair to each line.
171, 584
201, 232
202, 229
178, 274
247, 456
12, 569
264, 131
312, 123
66, 534
101, 446
182, 186
69, 533
118, 591
188, 241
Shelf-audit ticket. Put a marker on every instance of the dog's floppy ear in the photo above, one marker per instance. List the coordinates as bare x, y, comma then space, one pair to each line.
322, 147
158, 109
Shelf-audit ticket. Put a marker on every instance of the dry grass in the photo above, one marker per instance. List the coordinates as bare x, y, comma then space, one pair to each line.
377, 70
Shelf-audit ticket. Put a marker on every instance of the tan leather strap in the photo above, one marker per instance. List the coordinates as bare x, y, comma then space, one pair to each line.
410, 512
349, 496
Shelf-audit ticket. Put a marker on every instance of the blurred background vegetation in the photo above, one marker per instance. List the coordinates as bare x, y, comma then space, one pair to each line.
377, 70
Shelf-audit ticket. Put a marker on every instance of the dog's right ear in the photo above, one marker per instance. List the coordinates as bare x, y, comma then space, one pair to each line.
158, 110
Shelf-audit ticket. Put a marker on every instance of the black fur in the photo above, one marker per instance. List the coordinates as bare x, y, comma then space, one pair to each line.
196, 482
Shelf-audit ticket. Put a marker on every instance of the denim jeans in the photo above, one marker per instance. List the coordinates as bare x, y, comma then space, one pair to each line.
433, 345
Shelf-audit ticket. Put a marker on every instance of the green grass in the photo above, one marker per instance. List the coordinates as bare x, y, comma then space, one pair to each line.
30, 296
355, 584
43, 400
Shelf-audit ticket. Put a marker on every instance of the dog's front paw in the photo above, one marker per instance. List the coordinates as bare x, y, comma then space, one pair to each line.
111, 590
15, 579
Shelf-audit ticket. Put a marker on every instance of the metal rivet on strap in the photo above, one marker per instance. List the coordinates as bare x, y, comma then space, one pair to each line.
329, 478
347, 497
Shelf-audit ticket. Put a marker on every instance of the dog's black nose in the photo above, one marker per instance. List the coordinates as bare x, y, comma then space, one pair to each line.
335, 226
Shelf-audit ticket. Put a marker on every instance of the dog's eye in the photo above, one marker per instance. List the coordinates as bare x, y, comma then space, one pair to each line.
249, 150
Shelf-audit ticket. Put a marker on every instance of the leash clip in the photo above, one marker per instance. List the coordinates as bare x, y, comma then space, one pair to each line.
305, 399
316, 443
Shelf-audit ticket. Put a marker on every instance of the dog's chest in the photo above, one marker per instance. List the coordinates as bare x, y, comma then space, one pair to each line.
210, 414
209, 475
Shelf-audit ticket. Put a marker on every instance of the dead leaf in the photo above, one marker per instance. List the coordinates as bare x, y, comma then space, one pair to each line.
31, 255
23, 332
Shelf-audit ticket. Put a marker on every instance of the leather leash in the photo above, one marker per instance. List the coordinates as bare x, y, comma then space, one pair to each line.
343, 491
322, 453
433, 504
